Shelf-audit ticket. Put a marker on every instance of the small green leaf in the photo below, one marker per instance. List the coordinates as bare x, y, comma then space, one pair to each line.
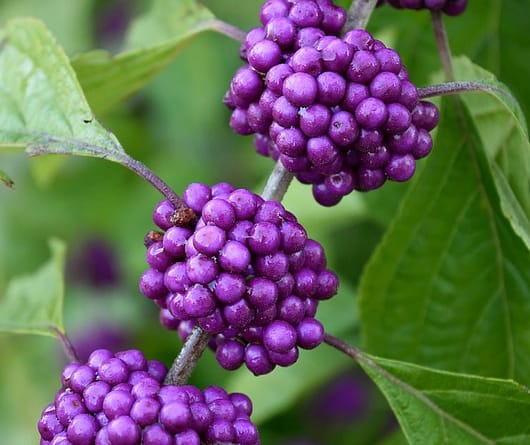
154, 41
437, 407
6, 180
33, 304
449, 285
42, 105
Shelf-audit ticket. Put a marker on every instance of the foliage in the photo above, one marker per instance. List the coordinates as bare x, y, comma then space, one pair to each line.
443, 300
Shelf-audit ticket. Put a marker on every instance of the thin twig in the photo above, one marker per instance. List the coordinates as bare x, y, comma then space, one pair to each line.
277, 184
189, 356
449, 88
359, 14
342, 346
146, 173
443, 44
67, 345
227, 29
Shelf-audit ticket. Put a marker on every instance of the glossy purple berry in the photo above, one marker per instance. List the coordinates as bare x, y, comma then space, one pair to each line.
279, 336
300, 89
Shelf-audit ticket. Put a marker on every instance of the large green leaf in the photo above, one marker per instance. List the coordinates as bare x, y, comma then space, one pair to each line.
33, 304
42, 105
154, 41
513, 41
449, 285
504, 136
437, 407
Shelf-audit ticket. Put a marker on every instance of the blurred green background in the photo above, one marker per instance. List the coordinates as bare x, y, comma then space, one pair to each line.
177, 125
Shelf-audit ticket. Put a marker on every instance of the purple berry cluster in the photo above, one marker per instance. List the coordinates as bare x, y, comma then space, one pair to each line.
449, 7
247, 274
339, 113
120, 399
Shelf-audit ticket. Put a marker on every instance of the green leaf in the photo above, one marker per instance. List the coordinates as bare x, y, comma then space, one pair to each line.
449, 285
6, 180
504, 136
513, 40
41, 103
396, 438
437, 407
33, 304
153, 42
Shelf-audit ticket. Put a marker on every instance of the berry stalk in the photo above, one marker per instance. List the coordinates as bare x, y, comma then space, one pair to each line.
145, 173
67, 345
277, 184
443, 44
228, 30
189, 356
359, 14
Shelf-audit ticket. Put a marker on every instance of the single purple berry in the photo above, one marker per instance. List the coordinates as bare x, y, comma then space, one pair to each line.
305, 13
310, 333
82, 429
257, 360
279, 336
300, 89
264, 55
123, 431
401, 167
230, 354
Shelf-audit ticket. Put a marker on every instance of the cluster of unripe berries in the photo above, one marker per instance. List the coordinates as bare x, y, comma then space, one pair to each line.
340, 113
245, 273
120, 399
449, 7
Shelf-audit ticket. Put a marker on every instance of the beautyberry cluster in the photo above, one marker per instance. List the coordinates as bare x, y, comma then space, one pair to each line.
121, 400
449, 7
339, 113
247, 274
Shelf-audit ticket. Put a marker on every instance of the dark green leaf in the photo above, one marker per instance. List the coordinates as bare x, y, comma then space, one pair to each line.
153, 42
394, 439
6, 180
504, 136
41, 103
33, 304
513, 41
436, 407
449, 285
